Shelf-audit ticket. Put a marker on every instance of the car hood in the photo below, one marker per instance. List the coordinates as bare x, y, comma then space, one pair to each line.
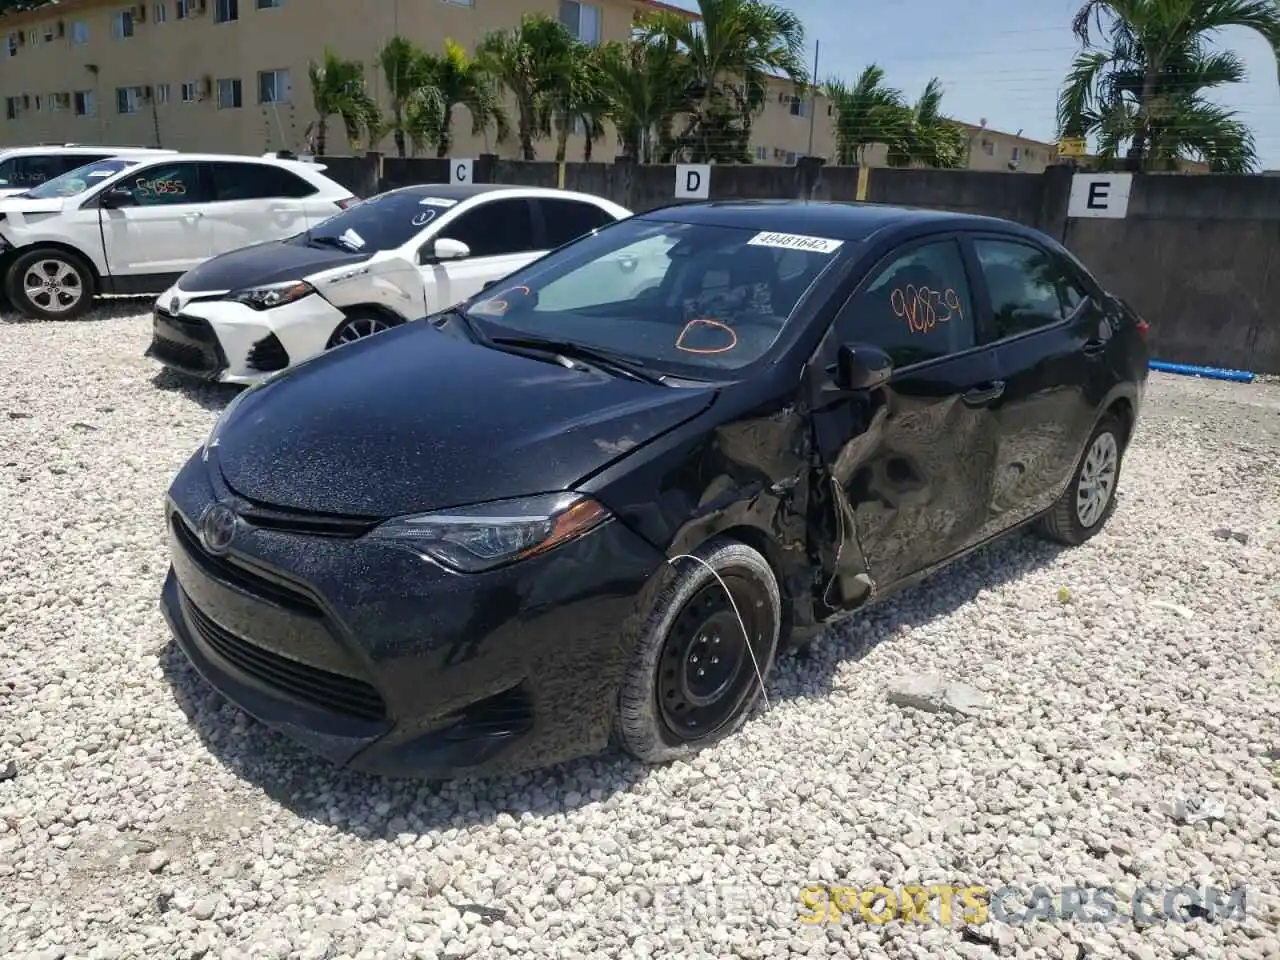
276, 261
412, 420
13, 203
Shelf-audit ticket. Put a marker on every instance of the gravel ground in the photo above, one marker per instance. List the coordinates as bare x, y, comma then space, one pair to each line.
1131, 734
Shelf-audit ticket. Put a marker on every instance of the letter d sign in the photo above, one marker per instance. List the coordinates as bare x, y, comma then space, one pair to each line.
459, 171
693, 181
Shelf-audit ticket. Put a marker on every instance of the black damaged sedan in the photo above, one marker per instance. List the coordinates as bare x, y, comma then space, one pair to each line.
597, 501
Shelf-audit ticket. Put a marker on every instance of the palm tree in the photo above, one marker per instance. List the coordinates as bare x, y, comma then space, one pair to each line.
337, 89
645, 86
411, 84
867, 113
527, 62
460, 79
579, 99
731, 53
927, 138
1145, 87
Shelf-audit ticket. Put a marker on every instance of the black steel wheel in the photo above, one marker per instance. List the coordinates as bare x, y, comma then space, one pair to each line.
695, 675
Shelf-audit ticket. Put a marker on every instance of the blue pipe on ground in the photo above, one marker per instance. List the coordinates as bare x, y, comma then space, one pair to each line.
1191, 370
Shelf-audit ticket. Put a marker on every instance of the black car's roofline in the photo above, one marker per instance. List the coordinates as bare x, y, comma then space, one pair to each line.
838, 220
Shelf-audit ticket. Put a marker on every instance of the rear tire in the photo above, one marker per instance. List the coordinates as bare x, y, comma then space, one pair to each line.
692, 679
1090, 498
50, 284
359, 324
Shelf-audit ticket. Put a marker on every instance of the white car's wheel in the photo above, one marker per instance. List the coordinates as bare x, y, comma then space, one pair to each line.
358, 325
50, 284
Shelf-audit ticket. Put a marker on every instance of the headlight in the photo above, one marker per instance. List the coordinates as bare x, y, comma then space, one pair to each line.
470, 539
273, 294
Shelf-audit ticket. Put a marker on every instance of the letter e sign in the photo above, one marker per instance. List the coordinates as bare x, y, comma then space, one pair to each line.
1100, 195
693, 181
459, 170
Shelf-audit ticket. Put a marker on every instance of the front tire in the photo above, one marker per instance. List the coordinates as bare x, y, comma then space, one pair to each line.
50, 284
359, 324
1090, 498
693, 679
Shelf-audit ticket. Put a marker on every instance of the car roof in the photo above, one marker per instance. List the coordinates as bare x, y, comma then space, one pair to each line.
465, 191
74, 148
451, 191
838, 220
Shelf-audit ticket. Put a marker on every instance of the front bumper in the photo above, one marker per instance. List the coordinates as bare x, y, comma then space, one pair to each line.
384, 662
226, 341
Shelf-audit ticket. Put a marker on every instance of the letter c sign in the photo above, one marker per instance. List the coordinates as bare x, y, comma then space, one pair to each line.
459, 171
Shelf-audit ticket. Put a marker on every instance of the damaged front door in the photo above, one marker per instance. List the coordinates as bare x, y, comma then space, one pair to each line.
907, 465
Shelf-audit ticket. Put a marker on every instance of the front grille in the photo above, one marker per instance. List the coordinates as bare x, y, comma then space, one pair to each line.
331, 691
238, 575
268, 354
187, 343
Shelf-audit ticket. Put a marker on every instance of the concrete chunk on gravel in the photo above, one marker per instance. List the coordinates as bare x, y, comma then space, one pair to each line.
1132, 734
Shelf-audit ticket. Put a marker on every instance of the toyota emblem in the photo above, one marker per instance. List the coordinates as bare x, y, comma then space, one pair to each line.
173, 305
218, 528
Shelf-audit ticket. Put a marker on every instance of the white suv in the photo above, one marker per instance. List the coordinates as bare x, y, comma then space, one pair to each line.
131, 227
22, 168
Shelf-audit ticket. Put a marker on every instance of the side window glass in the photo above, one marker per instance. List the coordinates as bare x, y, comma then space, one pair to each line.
917, 308
1027, 286
567, 220
495, 228
165, 185
256, 181
33, 171
75, 162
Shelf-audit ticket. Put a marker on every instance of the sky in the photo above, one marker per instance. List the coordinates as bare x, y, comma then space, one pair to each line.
1003, 60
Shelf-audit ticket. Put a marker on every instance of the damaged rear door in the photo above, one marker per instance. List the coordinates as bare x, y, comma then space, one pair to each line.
906, 468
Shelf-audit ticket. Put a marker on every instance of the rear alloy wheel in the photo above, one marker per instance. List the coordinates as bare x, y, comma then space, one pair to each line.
50, 285
694, 675
1090, 497
357, 326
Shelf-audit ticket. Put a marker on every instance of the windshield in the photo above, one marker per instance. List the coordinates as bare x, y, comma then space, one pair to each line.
383, 222
688, 295
80, 179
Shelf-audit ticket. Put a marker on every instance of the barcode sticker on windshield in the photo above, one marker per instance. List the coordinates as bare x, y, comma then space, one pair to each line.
436, 202
795, 241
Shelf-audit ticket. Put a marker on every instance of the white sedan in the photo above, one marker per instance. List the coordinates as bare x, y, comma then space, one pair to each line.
395, 257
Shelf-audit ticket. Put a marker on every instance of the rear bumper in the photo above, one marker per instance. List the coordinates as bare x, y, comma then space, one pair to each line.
379, 660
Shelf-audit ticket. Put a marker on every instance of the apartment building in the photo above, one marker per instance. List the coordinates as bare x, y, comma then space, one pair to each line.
232, 74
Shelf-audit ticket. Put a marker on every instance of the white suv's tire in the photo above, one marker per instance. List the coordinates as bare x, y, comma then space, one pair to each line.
50, 284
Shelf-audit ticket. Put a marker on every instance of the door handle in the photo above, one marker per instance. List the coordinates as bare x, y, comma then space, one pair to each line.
980, 396
193, 215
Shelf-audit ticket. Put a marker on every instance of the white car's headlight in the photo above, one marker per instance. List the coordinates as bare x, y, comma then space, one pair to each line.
471, 539
272, 294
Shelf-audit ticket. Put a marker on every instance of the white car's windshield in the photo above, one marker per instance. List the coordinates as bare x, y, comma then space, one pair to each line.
668, 294
77, 181
384, 222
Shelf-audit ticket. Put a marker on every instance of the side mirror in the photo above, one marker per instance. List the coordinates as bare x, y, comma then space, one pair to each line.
443, 248
860, 366
117, 196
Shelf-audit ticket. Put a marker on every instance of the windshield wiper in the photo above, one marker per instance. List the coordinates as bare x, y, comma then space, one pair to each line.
330, 242
467, 324
617, 363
